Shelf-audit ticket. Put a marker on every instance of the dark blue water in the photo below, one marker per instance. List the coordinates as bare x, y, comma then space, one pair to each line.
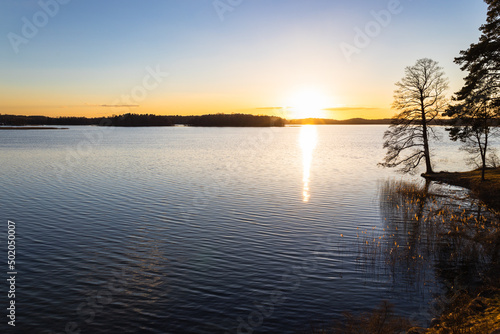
197, 230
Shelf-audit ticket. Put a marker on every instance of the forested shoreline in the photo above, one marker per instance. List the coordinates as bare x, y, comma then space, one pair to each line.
138, 120
222, 120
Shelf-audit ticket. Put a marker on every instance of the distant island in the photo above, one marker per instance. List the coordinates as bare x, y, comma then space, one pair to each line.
30, 128
212, 120
137, 120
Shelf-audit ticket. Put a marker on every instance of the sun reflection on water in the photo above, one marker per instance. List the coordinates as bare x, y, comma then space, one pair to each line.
308, 141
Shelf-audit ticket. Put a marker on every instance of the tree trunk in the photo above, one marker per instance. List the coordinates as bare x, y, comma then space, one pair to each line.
427, 154
483, 156
483, 169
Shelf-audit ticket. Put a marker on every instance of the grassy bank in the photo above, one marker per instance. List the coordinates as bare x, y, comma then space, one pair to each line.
479, 315
488, 191
468, 314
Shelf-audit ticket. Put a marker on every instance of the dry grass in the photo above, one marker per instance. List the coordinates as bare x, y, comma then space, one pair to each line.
458, 237
469, 315
471, 236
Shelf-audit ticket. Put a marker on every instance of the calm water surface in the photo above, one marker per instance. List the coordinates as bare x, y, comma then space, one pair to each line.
199, 230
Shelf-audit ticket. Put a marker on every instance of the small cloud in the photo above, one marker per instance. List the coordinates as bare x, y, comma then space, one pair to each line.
113, 105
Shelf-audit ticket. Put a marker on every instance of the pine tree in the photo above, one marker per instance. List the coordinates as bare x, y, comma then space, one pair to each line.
477, 104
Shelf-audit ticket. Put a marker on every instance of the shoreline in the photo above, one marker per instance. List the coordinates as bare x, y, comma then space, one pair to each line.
30, 128
487, 191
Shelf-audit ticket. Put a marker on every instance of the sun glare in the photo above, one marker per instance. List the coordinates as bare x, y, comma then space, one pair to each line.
308, 104
308, 140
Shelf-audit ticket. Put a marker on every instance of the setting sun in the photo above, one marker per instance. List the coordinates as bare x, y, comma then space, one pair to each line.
308, 104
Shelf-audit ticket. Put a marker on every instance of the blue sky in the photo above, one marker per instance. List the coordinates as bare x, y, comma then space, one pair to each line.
265, 53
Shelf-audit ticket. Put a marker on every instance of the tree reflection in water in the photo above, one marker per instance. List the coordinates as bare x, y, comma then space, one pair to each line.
432, 228
436, 241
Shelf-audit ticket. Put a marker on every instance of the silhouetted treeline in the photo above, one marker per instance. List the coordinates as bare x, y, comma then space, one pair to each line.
122, 120
17, 120
236, 120
470, 121
129, 120
228, 120
360, 121
139, 120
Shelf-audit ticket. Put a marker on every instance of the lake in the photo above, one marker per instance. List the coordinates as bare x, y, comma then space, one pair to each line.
201, 230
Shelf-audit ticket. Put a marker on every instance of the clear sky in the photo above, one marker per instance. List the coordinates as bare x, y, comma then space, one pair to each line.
287, 57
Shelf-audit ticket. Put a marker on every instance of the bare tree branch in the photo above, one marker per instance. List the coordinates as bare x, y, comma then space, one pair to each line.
419, 98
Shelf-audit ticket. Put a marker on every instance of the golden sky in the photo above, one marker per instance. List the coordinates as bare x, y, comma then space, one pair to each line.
295, 59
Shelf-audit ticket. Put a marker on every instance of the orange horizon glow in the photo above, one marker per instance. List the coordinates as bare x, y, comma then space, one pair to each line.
120, 111
311, 99
297, 112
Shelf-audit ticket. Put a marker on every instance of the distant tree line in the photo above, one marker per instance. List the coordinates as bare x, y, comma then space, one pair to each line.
359, 121
135, 120
236, 120
19, 120
131, 120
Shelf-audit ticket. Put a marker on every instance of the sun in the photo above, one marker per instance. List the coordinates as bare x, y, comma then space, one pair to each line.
308, 104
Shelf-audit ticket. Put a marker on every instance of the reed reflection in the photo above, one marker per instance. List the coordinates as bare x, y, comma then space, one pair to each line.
430, 227
308, 141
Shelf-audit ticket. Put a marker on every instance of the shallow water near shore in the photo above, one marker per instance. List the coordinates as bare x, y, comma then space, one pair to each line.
203, 230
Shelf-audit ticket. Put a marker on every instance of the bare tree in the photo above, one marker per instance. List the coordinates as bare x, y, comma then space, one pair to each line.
419, 99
